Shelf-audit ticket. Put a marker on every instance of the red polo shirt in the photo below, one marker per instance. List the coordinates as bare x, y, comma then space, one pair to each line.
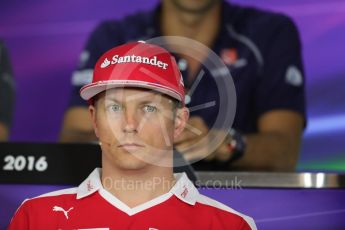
90, 206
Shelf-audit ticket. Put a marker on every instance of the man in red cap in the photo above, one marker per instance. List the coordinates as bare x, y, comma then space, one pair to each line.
137, 108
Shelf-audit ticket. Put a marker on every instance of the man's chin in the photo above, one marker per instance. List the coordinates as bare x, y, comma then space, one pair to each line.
132, 166
198, 8
131, 160
139, 159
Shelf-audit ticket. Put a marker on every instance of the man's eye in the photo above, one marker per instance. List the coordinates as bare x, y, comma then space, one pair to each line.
115, 108
150, 108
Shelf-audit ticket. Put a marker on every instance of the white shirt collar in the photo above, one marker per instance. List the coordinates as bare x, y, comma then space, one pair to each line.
183, 189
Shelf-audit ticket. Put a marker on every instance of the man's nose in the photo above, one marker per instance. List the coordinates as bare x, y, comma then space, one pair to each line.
131, 121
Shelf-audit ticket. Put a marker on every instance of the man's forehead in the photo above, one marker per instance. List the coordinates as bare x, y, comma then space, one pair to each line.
133, 94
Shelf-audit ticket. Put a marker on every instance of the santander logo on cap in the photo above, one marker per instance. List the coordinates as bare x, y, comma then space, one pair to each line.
116, 59
105, 63
136, 64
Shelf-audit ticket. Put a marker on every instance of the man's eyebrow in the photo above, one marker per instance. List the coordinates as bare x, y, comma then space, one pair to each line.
144, 101
143, 94
111, 99
149, 102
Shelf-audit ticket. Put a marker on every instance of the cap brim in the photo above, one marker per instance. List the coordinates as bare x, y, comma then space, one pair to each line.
91, 90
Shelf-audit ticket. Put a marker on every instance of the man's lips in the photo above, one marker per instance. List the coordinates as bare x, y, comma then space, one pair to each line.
130, 145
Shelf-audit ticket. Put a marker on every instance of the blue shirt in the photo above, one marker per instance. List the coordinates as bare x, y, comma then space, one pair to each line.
261, 49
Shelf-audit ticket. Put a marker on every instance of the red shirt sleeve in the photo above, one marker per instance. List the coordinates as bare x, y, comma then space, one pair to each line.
20, 220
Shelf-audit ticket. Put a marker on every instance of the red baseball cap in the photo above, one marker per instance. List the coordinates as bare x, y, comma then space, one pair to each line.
136, 64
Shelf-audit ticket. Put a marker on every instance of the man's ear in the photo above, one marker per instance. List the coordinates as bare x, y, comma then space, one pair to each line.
92, 111
181, 118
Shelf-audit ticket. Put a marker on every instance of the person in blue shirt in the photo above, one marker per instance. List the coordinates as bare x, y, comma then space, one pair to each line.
261, 50
6, 93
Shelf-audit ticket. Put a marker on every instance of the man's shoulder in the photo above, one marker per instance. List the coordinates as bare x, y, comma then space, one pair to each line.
247, 14
223, 212
254, 21
51, 198
37, 211
258, 29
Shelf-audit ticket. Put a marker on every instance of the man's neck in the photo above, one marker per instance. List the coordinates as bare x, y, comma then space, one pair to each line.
135, 187
202, 27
